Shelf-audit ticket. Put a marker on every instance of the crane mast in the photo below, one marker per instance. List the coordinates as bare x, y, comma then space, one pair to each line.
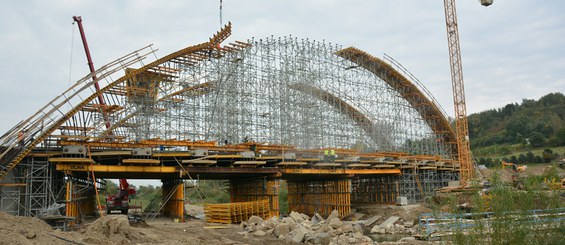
461, 126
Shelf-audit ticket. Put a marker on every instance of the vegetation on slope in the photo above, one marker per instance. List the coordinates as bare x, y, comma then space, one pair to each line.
530, 132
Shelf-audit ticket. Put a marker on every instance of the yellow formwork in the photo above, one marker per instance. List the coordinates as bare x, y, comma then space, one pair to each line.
322, 197
174, 206
79, 202
236, 212
260, 189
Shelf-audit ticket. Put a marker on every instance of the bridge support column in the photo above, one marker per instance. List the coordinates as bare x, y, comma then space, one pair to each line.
173, 194
255, 190
320, 196
374, 190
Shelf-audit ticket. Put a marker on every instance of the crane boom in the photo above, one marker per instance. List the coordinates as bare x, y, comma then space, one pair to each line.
461, 126
78, 20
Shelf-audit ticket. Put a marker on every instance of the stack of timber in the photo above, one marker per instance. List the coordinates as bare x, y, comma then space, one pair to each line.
235, 212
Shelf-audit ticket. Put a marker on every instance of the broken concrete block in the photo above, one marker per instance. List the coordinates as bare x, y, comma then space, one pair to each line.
304, 216
358, 228
335, 222
281, 229
296, 216
269, 232
298, 235
358, 216
334, 214
378, 230
259, 233
358, 234
372, 220
255, 220
288, 220
316, 218
389, 222
345, 229
409, 224
322, 238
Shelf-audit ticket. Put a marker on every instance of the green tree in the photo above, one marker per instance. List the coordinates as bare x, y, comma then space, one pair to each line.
537, 139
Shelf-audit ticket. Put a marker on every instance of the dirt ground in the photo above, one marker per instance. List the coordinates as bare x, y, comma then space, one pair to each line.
115, 229
531, 170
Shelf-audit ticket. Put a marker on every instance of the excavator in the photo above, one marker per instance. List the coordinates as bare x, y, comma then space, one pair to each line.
121, 200
515, 167
517, 179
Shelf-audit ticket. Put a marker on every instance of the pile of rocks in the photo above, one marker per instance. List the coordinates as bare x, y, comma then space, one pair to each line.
300, 228
394, 225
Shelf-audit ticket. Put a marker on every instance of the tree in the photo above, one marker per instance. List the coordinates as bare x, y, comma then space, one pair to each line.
530, 157
537, 139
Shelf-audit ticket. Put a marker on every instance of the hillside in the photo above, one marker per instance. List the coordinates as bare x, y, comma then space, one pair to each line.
530, 132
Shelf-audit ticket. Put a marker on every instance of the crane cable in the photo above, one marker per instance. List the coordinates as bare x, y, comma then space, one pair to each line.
221, 21
71, 58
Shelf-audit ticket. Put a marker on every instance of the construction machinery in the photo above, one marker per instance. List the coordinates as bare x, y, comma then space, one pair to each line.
121, 200
517, 178
515, 167
461, 125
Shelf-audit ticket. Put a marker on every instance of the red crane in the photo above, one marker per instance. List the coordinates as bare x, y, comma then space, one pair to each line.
118, 201
78, 20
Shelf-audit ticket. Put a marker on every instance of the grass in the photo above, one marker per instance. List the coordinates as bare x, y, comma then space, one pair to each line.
510, 221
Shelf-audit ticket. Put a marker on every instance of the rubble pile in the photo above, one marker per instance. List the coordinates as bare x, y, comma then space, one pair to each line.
300, 228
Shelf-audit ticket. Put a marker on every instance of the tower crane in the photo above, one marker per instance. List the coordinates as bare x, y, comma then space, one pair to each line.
461, 125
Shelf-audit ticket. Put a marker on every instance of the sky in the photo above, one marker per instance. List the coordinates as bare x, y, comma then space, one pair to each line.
511, 50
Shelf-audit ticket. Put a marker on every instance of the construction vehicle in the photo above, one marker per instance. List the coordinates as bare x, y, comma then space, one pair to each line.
555, 184
517, 179
121, 200
515, 167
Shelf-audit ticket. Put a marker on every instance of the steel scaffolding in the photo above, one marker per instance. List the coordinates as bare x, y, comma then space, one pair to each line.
284, 91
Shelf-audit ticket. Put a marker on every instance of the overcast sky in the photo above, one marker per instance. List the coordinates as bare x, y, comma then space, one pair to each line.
511, 50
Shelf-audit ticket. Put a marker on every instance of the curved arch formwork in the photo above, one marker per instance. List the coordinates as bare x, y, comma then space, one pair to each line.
75, 114
279, 91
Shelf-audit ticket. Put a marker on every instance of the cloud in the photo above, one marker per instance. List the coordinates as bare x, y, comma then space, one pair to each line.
511, 50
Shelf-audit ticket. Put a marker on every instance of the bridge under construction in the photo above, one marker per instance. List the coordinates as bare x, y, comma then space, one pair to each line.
341, 126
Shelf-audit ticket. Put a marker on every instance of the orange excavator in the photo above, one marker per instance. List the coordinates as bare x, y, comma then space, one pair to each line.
121, 200
516, 168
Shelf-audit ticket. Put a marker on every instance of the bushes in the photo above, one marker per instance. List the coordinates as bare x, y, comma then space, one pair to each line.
510, 218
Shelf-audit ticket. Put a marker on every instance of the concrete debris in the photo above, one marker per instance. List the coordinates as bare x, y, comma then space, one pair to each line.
389, 222
316, 218
358, 216
372, 220
300, 228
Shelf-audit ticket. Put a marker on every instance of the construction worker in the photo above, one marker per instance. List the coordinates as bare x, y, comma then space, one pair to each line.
326, 155
21, 138
332, 155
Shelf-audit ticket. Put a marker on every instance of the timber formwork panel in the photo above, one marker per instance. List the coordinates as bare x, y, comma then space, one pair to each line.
374, 190
255, 190
322, 197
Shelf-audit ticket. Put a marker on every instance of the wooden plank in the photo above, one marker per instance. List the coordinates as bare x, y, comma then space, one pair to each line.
70, 160
139, 161
249, 162
292, 163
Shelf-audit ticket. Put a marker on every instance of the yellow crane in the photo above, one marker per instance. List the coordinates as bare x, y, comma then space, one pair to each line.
461, 126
